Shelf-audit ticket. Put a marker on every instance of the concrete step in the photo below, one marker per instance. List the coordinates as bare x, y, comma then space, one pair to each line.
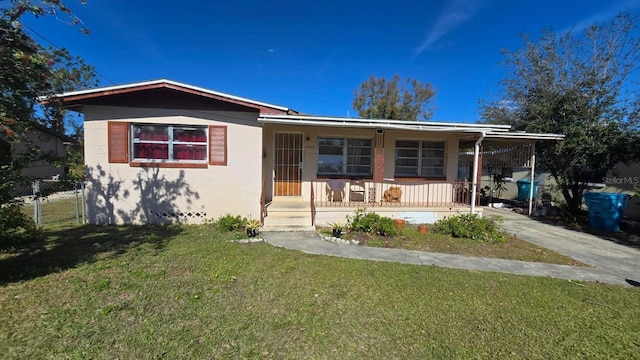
292, 214
269, 220
288, 228
289, 206
288, 214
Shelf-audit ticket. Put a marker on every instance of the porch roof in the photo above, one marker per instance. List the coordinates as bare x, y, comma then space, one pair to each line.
497, 133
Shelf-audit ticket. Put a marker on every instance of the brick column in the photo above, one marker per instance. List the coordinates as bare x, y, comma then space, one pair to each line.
378, 158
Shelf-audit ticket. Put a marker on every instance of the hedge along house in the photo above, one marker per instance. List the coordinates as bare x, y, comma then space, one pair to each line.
161, 151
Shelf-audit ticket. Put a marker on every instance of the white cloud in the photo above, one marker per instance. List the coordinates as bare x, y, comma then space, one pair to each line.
456, 13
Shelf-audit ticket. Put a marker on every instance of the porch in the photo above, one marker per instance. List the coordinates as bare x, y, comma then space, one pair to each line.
415, 201
332, 200
399, 169
389, 193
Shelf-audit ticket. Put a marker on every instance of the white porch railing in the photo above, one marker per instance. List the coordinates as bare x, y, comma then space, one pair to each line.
366, 193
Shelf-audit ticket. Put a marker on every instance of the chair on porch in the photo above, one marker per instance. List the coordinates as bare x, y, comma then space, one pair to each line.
335, 190
357, 191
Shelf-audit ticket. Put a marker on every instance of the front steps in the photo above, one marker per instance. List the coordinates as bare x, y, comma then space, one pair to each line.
288, 214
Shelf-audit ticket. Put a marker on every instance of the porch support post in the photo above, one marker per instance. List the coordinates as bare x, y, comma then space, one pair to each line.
378, 157
533, 173
474, 186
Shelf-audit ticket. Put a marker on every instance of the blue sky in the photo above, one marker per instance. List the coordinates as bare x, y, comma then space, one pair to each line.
312, 55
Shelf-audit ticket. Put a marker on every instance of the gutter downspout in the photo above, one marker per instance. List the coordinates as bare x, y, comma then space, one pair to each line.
474, 186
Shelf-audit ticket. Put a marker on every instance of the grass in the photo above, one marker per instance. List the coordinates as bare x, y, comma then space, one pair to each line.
187, 292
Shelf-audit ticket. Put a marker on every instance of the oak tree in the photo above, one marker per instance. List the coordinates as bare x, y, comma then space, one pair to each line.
409, 99
577, 84
30, 74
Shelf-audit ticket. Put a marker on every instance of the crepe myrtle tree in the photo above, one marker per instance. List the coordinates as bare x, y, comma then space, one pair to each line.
379, 98
577, 84
30, 75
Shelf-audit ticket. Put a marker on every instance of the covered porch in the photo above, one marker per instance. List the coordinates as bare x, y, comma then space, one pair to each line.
400, 169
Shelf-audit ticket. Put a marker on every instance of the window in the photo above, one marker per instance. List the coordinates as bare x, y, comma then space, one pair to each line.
341, 156
420, 158
167, 145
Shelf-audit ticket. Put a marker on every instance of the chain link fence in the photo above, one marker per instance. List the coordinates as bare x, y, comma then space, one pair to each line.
45, 187
40, 192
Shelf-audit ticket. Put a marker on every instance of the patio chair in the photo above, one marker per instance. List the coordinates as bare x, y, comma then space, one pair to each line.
356, 191
335, 190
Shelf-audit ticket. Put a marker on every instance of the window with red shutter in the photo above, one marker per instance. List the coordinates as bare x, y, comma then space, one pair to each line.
118, 142
217, 145
167, 145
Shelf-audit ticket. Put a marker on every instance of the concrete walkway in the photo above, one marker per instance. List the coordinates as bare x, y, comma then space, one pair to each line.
611, 263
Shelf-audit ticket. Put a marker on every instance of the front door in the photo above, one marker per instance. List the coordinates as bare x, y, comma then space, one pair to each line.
288, 164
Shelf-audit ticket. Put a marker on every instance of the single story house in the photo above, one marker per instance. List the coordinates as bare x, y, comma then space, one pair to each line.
48, 141
162, 151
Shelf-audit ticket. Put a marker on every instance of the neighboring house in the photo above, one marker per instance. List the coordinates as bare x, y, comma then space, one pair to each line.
50, 142
161, 151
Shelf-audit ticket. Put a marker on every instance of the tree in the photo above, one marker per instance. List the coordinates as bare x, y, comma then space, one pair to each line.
29, 77
378, 98
574, 84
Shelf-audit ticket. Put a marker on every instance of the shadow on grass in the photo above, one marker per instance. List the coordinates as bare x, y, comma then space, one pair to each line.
632, 282
65, 249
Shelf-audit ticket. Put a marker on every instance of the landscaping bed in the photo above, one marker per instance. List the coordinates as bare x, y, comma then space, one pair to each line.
462, 234
411, 239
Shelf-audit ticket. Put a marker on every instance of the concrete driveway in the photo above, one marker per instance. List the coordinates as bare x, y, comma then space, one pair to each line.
619, 261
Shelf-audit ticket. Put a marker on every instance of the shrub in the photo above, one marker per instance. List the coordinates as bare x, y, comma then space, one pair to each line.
362, 221
229, 222
385, 227
371, 222
470, 226
15, 224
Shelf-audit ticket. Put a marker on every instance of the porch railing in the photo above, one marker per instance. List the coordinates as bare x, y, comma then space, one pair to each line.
367, 193
262, 204
313, 207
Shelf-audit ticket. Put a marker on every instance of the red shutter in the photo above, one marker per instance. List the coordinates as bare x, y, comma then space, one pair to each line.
118, 142
217, 145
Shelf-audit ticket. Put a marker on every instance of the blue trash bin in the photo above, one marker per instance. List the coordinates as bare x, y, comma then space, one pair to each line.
524, 189
605, 210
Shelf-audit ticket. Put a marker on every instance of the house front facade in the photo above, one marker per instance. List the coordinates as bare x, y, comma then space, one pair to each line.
162, 151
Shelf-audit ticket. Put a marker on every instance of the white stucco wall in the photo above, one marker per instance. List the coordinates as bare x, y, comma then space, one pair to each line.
120, 193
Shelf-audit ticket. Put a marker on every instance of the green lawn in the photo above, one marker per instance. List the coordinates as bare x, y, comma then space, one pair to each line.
187, 292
